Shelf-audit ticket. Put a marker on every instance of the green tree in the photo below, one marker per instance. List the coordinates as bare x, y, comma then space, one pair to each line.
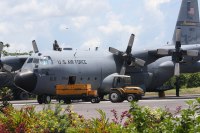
193, 80
182, 80
6, 53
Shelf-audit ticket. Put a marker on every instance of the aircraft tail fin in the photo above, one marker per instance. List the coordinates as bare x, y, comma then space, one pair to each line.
188, 21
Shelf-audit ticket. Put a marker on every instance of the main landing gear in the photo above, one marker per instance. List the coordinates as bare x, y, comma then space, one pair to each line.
44, 99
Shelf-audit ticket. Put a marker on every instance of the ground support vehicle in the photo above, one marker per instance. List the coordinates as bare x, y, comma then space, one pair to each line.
66, 93
126, 93
7, 80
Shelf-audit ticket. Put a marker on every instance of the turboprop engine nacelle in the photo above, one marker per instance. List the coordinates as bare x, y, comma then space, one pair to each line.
189, 59
168, 67
132, 64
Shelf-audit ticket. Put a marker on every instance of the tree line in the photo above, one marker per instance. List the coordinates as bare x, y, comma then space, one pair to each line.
185, 80
6, 53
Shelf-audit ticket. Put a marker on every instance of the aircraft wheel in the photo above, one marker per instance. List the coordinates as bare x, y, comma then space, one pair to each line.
47, 99
40, 99
23, 95
68, 101
61, 101
114, 96
130, 97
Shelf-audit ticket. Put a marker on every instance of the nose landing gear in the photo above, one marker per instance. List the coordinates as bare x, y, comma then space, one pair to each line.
44, 99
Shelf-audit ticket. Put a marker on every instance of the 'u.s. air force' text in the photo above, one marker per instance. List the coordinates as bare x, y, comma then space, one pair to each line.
72, 62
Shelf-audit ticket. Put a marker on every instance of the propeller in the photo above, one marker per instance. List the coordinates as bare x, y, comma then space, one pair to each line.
35, 48
4, 66
177, 53
127, 56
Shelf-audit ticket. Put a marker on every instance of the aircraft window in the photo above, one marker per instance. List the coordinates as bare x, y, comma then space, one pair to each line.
72, 80
36, 65
49, 60
30, 60
36, 61
41, 61
67, 48
45, 57
45, 62
45, 72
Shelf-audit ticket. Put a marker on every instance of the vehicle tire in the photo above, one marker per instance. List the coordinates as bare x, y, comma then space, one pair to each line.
114, 96
101, 97
61, 101
93, 100
98, 100
23, 95
121, 100
130, 97
47, 99
40, 99
68, 101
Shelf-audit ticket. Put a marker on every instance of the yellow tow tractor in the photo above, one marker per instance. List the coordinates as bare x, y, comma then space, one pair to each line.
126, 93
119, 94
66, 93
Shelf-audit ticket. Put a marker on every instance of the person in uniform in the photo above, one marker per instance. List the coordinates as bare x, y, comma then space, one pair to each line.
56, 46
177, 87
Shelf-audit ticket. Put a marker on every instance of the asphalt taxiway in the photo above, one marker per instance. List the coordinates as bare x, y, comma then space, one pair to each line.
87, 109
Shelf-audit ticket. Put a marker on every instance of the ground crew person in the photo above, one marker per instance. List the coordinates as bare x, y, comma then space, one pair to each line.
56, 46
177, 87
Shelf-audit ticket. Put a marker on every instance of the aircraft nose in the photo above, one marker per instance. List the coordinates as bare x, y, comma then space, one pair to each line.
26, 80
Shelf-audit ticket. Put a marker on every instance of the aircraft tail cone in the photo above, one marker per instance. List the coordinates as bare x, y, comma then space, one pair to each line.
26, 80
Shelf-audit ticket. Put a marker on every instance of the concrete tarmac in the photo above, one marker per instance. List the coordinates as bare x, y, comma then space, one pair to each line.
87, 109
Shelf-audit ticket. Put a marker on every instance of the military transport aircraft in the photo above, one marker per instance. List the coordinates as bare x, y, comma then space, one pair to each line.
148, 68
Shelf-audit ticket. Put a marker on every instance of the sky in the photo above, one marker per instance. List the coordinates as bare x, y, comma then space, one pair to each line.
84, 24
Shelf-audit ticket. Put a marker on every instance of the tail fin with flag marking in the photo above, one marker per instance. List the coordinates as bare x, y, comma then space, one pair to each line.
188, 21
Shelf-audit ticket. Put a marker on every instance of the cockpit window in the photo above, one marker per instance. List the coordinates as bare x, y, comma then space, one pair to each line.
30, 60
49, 60
46, 60
41, 61
36, 61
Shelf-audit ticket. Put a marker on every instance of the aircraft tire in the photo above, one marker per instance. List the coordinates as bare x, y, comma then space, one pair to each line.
47, 99
40, 99
130, 97
23, 95
68, 101
114, 96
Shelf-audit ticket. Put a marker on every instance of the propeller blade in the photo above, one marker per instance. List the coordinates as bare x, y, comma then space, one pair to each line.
130, 44
114, 51
35, 48
123, 69
7, 68
163, 51
1, 48
178, 34
177, 69
139, 62
192, 52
